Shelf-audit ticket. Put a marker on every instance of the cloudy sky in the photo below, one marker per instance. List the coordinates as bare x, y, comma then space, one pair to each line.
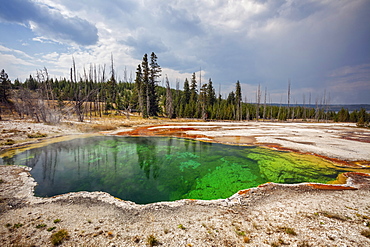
319, 45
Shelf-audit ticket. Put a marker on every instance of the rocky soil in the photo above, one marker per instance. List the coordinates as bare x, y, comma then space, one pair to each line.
271, 215
19, 132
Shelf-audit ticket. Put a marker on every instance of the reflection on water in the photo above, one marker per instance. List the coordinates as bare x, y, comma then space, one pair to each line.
151, 169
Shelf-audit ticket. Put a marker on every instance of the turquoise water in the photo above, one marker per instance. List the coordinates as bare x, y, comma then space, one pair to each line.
152, 169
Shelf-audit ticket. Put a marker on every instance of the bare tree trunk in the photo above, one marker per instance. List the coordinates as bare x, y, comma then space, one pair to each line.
246, 109
317, 113
169, 103
309, 103
279, 112
271, 117
288, 98
147, 100
293, 112
264, 107
128, 110
258, 99
304, 107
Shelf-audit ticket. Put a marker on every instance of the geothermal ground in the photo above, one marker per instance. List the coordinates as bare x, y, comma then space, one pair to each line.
270, 215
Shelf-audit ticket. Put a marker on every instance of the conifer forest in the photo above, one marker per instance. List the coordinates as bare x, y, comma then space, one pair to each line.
96, 92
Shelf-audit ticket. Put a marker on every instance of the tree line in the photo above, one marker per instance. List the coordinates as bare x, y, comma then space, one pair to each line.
97, 91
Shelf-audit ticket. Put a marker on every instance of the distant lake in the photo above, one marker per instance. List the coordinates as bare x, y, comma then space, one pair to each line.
335, 108
152, 169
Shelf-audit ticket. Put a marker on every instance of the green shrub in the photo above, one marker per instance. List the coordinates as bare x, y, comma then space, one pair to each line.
41, 225
288, 230
181, 227
17, 225
58, 237
152, 241
51, 228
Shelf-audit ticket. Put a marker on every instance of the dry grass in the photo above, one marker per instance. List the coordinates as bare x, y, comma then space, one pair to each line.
287, 230
9, 142
36, 135
58, 237
333, 215
365, 233
113, 122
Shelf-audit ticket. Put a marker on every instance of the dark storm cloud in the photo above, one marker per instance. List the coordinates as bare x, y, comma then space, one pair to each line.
181, 21
48, 22
263, 42
144, 43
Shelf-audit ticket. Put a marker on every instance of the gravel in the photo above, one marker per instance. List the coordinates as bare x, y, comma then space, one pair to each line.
270, 215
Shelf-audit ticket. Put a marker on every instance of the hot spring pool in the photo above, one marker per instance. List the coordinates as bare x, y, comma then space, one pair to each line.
152, 169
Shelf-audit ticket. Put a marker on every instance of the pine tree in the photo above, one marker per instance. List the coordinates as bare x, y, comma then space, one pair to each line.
145, 86
31, 83
343, 115
211, 95
140, 89
231, 98
5, 87
238, 100
193, 103
186, 91
193, 89
154, 74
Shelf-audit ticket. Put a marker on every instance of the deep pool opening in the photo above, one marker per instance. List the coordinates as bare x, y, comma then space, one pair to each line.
152, 169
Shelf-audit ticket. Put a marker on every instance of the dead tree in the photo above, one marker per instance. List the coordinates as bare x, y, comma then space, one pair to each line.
247, 114
279, 112
317, 110
258, 100
304, 107
271, 116
80, 97
288, 98
169, 100
264, 105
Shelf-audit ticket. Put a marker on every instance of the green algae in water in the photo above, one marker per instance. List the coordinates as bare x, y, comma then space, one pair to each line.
151, 169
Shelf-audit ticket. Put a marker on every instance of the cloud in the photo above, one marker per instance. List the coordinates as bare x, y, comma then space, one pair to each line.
16, 63
303, 43
48, 22
179, 20
263, 42
8, 59
344, 85
145, 43
358, 71
4, 49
